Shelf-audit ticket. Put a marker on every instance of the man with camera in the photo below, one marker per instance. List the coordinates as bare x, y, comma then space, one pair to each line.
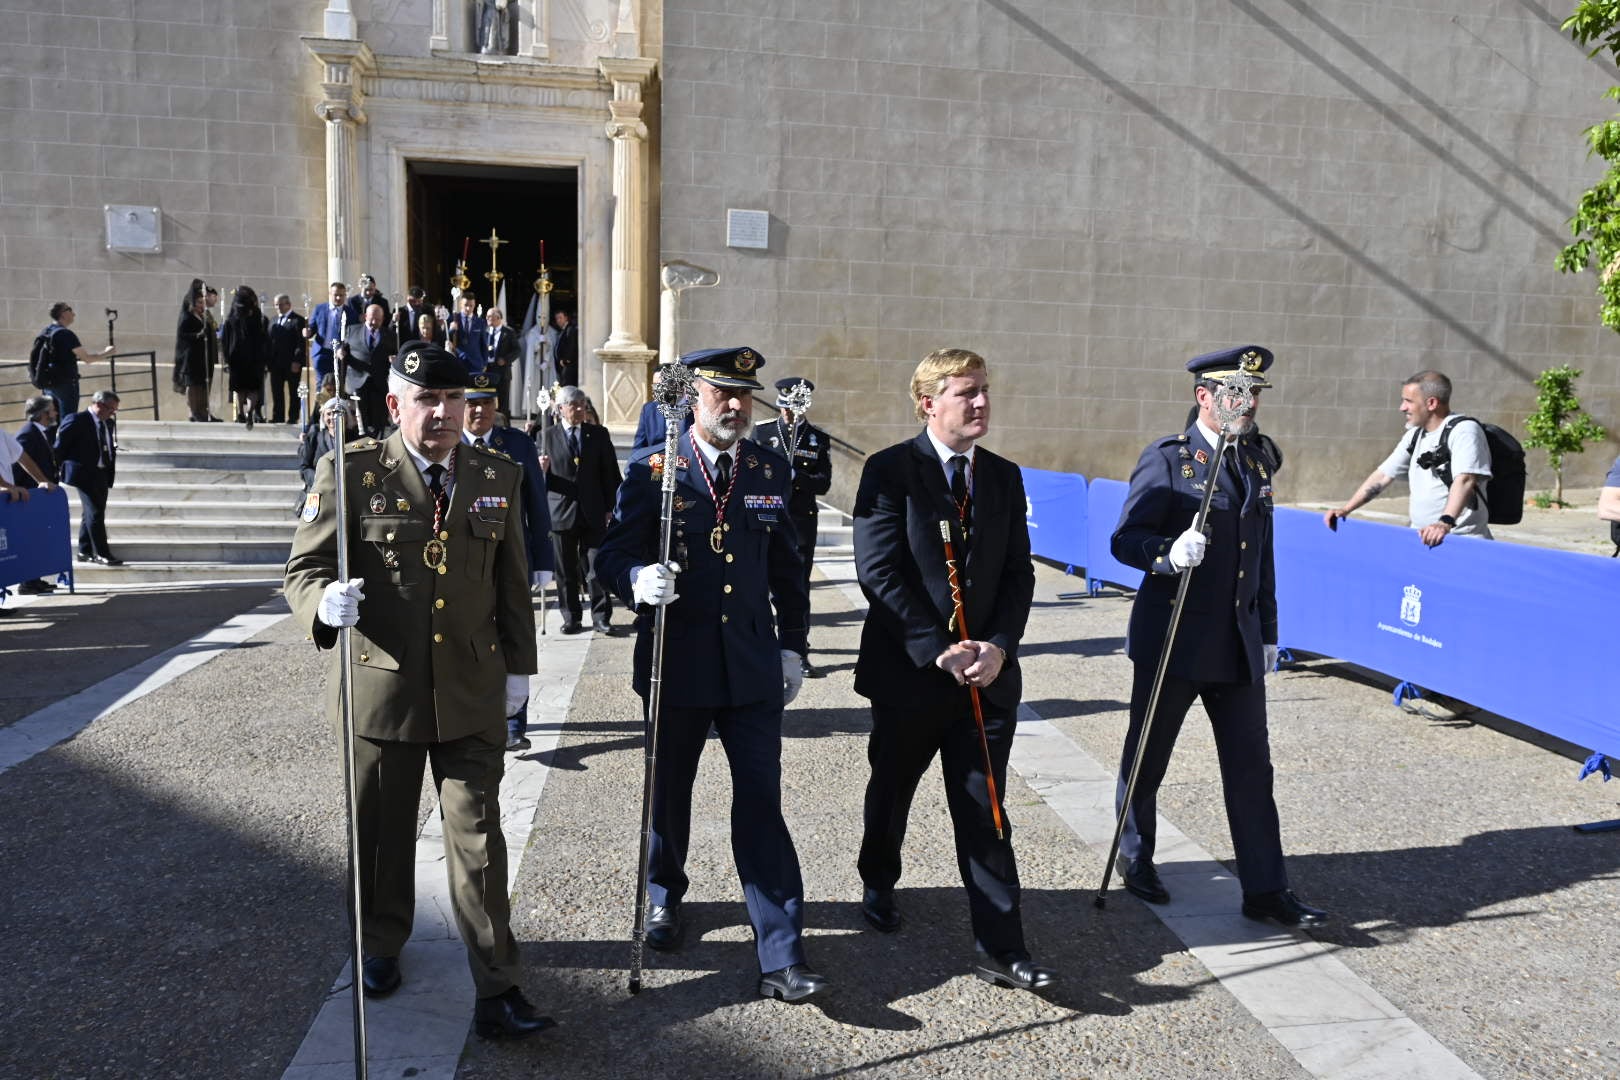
1433, 446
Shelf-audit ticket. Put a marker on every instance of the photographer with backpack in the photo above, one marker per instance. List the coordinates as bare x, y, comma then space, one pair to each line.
1447, 460
53, 362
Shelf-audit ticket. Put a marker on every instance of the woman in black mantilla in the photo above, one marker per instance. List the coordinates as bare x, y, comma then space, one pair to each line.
245, 341
194, 352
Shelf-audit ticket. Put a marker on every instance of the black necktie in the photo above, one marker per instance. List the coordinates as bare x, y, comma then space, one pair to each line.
371, 341
573, 443
105, 440
479, 442
962, 497
436, 481
723, 471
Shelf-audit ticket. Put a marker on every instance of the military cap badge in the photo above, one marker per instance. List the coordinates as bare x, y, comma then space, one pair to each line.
410, 364
745, 360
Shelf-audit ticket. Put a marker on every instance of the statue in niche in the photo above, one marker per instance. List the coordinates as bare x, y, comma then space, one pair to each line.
495, 27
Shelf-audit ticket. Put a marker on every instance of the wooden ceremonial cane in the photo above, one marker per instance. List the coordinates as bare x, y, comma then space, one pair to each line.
960, 619
346, 712
1231, 402
673, 383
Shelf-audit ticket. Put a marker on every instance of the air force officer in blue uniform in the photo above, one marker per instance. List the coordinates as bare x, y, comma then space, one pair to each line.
1226, 641
728, 665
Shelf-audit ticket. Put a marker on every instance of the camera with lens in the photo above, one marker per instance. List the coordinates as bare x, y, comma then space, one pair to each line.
1433, 459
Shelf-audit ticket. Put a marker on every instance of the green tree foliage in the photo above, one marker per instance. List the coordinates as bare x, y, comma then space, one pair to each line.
1558, 425
1596, 224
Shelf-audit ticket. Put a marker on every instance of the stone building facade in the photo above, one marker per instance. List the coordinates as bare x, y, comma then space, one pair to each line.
1088, 193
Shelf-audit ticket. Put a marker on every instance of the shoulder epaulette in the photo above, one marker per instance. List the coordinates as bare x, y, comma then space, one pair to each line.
492, 452
1172, 440
367, 443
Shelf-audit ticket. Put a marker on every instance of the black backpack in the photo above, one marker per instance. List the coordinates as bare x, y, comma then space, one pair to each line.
42, 358
1505, 506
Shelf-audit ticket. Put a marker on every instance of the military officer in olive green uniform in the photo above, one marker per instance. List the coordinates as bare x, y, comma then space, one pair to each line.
443, 640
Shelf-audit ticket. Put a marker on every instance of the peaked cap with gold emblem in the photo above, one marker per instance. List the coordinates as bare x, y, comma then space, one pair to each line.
1252, 359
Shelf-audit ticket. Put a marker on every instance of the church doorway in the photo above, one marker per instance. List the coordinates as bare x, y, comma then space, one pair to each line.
452, 207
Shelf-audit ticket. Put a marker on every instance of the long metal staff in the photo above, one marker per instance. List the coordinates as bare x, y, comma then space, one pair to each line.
797, 398
960, 619
346, 712
306, 388
1231, 402
673, 383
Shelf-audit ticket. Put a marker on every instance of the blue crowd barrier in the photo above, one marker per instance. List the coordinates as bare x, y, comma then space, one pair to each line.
1528, 633
34, 538
1106, 499
1057, 514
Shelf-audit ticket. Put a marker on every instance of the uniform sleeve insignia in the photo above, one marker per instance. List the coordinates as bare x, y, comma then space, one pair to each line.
1187, 471
312, 506
1201, 456
369, 480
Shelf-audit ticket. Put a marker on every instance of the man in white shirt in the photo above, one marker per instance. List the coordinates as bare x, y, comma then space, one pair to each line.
1438, 508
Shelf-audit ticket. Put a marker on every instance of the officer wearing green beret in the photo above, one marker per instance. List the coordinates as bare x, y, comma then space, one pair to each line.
443, 646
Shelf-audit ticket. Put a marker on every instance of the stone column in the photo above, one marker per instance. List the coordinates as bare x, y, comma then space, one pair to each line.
626, 360
344, 63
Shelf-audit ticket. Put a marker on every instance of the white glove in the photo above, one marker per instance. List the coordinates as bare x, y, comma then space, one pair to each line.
654, 585
1188, 550
517, 693
792, 676
1270, 652
541, 579
340, 603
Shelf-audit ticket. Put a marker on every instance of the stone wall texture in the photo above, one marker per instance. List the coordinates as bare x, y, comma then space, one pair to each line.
1090, 193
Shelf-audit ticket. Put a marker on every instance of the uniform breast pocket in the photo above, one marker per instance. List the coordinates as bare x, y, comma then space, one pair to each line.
397, 542
483, 546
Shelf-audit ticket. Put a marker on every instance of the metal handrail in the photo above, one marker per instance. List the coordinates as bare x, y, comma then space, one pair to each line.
151, 365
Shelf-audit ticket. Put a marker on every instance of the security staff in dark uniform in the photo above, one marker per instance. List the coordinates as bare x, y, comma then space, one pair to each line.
807, 450
443, 647
726, 661
483, 431
1226, 641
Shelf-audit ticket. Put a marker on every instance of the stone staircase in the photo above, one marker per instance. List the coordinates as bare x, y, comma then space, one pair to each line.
202, 503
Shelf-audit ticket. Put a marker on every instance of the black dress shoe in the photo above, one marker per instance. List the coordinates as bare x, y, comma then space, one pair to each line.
109, 560
35, 587
572, 628
1014, 970
508, 1016
1283, 907
380, 976
808, 668
877, 906
1141, 879
517, 743
605, 629
792, 983
664, 927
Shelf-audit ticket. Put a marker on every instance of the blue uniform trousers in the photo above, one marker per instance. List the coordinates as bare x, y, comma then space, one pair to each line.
903, 744
1237, 715
760, 845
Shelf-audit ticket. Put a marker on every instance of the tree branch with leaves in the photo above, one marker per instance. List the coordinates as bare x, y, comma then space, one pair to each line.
1558, 425
1596, 224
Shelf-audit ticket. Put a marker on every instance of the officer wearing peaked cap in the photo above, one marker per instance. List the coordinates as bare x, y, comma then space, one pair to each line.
726, 660
1226, 642
810, 462
443, 646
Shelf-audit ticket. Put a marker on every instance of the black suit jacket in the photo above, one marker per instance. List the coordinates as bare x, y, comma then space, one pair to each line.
581, 495
77, 453
287, 344
502, 345
373, 362
900, 559
37, 447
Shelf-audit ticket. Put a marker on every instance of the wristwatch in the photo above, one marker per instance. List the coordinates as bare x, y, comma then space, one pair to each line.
1448, 521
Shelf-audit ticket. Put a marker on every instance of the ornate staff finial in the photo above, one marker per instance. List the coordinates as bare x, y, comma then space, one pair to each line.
671, 386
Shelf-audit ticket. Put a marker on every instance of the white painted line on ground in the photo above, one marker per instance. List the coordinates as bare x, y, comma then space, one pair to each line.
1334, 1024
420, 1030
64, 719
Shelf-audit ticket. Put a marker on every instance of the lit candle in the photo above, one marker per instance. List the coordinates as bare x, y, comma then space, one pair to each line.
542, 253
466, 245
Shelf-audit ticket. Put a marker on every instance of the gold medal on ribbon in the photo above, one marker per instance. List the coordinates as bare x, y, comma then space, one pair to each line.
434, 553
717, 540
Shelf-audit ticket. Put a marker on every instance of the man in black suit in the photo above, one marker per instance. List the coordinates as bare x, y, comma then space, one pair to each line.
35, 466
503, 352
410, 313
369, 349
915, 669
289, 352
367, 295
565, 356
582, 480
87, 451
809, 455
1226, 640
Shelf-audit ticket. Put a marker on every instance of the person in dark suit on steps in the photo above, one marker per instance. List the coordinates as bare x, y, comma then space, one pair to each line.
914, 668
87, 451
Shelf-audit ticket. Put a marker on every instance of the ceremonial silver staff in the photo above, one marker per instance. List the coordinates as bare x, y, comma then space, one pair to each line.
797, 398
340, 415
542, 401
1233, 399
670, 388
306, 387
